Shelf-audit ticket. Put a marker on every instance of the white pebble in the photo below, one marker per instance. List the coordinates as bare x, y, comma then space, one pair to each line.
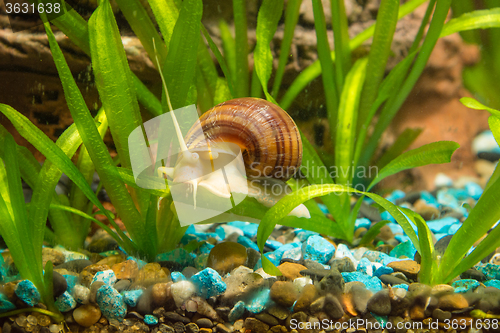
182, 291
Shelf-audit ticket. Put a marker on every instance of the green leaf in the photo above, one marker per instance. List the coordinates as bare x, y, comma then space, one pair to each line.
432, 153
267, 22
373, 232
341, 41
179, 69
494, 123
474, 104
241, 48
403, 141
478, 19
292, 200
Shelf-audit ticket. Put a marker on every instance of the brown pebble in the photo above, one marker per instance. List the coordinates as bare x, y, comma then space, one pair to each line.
127, 269
112, 260
150, 274
452, 302
87, 315
291, 270
306, 297
88, 273
255, 326
385, 233
410, 268
284, 293
161, 293
57, 257
226, 256
417, 312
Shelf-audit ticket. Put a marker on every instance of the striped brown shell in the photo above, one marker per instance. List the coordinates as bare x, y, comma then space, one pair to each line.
268, 137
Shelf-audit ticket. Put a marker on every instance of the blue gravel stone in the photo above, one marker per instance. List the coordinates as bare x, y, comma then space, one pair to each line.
318, 249
209, 283
107, 276
237, 311
447, 199
362, 223
200, 262
372, 283
403, 250
269, 255
490, 270
375, 256
323, 209
454, 228
473, 190
247, 242
5, 304
493, 283
395, 228
111, 303
303, 235
458, 193
249, 229
395, 195
273, 244
130, 297
206, 247
282, 249
140, 263
429, 199
260, 301
220, 231
71, 280
365, 266
442, 226
465, 285
385, 215
150, 320
65, 302
382, 270
177, 276
179, 256
402, 286
402, 238
382, 320
343, 251
27, 292
295, 254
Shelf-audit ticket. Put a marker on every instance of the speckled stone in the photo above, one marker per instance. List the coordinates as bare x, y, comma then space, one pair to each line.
87, 274
27, 292
255, 326
5, 304
465, 285
237, 311
317, 248
130, 297
260, 301
111, 303
107, 276
65, 302
81, 294
209, 283
372, 283
87, 315
57, 257
380, 303
150, 320
226, 256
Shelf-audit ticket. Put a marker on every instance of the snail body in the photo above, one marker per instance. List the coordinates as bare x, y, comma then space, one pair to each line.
263, 133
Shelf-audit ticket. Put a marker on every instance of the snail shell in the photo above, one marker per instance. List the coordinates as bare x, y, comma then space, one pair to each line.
267, 136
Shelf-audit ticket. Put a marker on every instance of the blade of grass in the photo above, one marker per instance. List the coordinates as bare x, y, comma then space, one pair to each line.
403, 141
241, 48
478, 19
432, 153
387, 18
373, 232
269, 15
341, 42
229, 48
292, 12
314, 70
332, 90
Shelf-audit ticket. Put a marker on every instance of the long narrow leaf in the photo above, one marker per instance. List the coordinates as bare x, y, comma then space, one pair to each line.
478, 19
241, 48
341, 41
403, 141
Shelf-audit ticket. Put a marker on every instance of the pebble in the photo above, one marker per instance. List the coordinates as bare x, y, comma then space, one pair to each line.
344, 264
107, 276
76, 265
150, 274
372, 283
65, 302
284, 293
332, 307
150, 320
205, 323
453, 302
209, 283
178, 276
365, 266
179, 256
60, 285
130, 297
226, 256
161, 293
260, 301
81, 294
182, 291
237, 311
392, 280
5, 304
410, 268
332, 283
255, 326
128, 269
87, 274
49, 254
27, 292
122, 285
380, 303
465, 285
242, 283
490, 271
318, 249
403, 250
290, 270
111, 303
87, 315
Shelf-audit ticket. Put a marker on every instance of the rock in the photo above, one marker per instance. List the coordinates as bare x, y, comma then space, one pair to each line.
150, 320
107, 276
473, 274
359, 296
252, 257
111, 258
255, 326
417, 312
442, 289
27, 292
372, 283
342, 264
465, 285
291, 271
161, 293
49, 254
365, 266
59, 284
318, 249
209, 283
150, 274
333, 284
380, 303
74, 265
178, 276
259, 302
306, 297
284, 293
205, 323
410, 268
188, 272
93, 291
81, 294
130, 297
5, 304
333, 307
192, 328
226, 256
241, 285
111, 303
127, 269
392, 280
427, 212
87, 274
175, 317
65, 302
206, 309
315, 274
237, 311
404, 250
87, 315
182, 291
122, 285
453, 302
490, 271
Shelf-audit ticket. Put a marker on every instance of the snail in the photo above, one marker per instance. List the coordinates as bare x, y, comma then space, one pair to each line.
265, 136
